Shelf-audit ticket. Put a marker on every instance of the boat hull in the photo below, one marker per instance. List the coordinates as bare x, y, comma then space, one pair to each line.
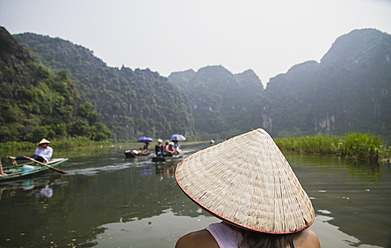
131, 154
167, 158
19, 172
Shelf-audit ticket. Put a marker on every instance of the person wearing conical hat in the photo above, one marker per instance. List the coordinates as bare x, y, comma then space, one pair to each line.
159, 148
43, 153
247, 183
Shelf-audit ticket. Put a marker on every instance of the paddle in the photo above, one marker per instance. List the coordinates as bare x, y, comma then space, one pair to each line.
58, 170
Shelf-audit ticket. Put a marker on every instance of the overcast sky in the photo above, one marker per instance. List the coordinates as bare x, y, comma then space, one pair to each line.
175, 35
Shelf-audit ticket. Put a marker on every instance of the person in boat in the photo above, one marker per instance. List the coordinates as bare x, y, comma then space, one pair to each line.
43, 153
146, 147
165, 147
1, 169
169, 152
177, 146
166, 144
143, 150
159, 148
253, 190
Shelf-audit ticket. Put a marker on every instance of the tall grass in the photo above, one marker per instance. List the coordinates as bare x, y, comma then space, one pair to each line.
65, 144
356, 146
71, 143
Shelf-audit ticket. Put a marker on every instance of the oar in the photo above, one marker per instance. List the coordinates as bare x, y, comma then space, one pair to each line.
58, 170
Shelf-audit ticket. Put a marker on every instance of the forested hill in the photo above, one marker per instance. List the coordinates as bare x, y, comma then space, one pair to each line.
222, 103
348, 91
36, 104
130, 102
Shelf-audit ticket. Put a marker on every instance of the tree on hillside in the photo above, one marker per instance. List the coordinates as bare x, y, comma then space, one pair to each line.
35, 103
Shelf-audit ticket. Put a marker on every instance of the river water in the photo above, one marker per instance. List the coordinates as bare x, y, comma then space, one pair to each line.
107, 200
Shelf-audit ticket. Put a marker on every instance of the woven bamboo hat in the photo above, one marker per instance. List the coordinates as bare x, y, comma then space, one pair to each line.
44, 141
247, 181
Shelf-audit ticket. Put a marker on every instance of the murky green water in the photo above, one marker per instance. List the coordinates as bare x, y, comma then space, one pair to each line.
110, 201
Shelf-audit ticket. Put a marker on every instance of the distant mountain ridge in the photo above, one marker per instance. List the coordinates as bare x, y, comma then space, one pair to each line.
131, 103
348, 91
222, 103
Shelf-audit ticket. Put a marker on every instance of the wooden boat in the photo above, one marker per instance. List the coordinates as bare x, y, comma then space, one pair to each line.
166, 158
30, 169
132, 154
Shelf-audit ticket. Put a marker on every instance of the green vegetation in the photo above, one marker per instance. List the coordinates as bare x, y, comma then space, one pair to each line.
348, 91
356, 146
223, 104
63, 144
129, 102
37, 104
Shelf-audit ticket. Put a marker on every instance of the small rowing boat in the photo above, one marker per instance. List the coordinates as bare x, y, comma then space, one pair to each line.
30, 169
166, 158
136, 153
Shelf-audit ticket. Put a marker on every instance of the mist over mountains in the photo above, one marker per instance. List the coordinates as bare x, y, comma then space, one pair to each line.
222, 103
348, 91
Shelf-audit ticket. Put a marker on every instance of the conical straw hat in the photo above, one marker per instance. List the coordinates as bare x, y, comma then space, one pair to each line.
44, 141
247, 181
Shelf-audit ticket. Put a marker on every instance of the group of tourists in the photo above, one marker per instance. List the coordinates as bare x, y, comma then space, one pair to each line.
169, 149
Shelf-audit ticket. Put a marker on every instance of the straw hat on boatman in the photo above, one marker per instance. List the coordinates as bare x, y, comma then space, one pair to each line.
247, 183
43, 153
44, 141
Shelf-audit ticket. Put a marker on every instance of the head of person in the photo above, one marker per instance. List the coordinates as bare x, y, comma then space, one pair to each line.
247, 182
44, 143
171, 144
159, 141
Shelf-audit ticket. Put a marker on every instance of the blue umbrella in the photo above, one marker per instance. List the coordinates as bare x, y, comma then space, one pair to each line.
177, 137
144, 139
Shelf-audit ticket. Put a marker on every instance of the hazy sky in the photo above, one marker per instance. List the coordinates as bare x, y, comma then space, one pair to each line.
175, 35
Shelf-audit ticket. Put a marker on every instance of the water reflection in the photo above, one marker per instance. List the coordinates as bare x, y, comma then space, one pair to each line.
40, 188
110, 201
331, 235
157, 231
355, 194
165, 170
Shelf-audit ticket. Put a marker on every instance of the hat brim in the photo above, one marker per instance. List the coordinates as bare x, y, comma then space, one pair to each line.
247, 181
44, 141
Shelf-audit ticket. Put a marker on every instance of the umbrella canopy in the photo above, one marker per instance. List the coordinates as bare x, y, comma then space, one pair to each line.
144, 139
177, 137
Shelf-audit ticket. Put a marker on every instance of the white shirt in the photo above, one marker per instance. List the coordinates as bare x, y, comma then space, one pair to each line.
45, 153
177, 147
224, 236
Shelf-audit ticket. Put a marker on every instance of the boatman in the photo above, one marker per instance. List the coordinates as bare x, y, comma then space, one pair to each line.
1, 169
43, 153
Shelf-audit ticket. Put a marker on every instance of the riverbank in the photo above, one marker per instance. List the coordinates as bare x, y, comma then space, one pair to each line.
355, 146
66, 143
75, 146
